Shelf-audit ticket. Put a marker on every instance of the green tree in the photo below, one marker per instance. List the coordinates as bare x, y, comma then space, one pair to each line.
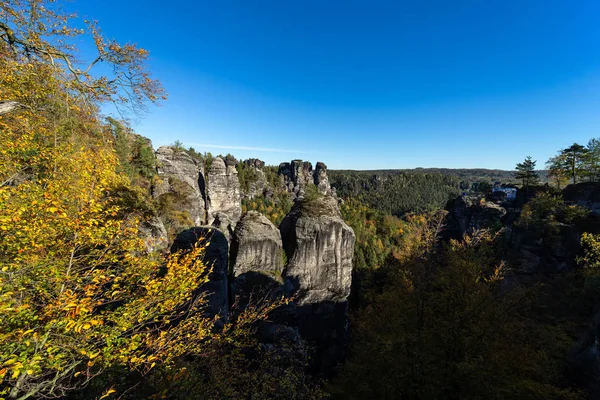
573, 161
592, 160
526, 172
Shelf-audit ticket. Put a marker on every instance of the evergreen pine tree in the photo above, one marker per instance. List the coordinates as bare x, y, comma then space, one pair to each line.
526, 172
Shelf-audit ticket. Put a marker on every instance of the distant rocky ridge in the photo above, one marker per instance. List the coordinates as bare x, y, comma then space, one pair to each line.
298, 174
309, 257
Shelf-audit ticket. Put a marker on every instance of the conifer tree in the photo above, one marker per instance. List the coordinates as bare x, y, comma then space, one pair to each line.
526, 172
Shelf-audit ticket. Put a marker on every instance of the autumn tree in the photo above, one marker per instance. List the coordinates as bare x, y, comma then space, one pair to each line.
38, 33
79, 293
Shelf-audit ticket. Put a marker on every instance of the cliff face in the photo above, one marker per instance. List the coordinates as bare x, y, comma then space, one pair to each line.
256, 246
319, 247
223, 192
182, 175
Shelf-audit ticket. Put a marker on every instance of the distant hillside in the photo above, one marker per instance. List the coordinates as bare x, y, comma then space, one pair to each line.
464, 174
412, 190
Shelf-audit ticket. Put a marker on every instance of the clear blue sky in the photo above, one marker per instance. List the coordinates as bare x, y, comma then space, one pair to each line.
368, 84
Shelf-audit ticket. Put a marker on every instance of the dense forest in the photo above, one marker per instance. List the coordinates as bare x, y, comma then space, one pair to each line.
422, 189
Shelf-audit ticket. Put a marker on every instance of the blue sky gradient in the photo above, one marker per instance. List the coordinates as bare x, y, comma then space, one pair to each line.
365, 84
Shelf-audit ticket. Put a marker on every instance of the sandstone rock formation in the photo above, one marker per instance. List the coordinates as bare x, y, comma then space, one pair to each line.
182, 175
319, 247
309, 257
296, 175
258, 182
256, 246
223, 192
321, 180
215, 256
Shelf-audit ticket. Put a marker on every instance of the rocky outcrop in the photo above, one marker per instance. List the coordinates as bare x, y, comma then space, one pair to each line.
216, 257
256, 246
321, 180
298, 174
468, 214
223, 192
182, 176
319, 247
257, 181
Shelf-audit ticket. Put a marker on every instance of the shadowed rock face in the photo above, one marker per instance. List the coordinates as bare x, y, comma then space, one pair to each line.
256, 246
181, 175
586, 195
583, 361
224, 195
215, 256
467, 214
319, 247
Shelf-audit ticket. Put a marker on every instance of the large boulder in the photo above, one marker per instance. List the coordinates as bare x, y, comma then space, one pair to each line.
215, 257
182, 176
224, 194
319, 246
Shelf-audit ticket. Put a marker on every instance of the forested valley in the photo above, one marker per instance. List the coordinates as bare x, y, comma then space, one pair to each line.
129, 272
